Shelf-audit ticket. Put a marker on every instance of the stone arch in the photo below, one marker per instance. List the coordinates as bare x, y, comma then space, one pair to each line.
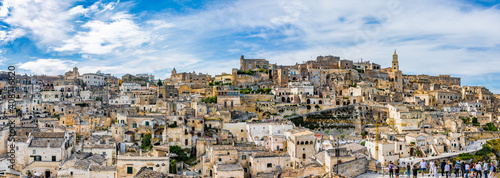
308, 101
320, 101
302, 142
288, 99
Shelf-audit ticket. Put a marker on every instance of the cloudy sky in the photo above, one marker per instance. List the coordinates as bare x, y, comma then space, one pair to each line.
456, 37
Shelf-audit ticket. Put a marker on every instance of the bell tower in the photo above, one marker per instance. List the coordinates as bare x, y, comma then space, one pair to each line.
395, 63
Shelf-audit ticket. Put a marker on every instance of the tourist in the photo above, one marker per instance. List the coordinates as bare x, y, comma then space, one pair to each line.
473, 169
479, 170
467, 169
391, 172
493, 170
442, 167
436, 173
408, 169
457, 169
396, 172
415, 171
486, 169
462, 167
431, 168
423, 165
447, 169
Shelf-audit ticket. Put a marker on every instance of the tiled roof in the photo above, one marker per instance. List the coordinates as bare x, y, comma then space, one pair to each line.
48, 134
81, 164
229, 167
102, 168
145, 172
47, 142
268, 154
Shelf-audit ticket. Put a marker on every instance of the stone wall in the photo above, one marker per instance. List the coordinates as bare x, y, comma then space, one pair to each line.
472, 136
352, 168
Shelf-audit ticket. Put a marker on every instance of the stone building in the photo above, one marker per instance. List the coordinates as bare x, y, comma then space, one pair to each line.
269, 162
253, 64
168, 91
188, 77
129, 164
300, 146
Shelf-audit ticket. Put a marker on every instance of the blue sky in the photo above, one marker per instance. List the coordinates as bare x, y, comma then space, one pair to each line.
456, 37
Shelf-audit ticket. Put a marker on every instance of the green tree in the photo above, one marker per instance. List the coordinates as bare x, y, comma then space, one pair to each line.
146, 142
363, 143
475, 122
173, 168
181, 155
159, 83
308, 107
490, 127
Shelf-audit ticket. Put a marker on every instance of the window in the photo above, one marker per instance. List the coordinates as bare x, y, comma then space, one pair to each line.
134, 125
243, 157
53, 158
269, 165
129, 170
34, 151
38, 158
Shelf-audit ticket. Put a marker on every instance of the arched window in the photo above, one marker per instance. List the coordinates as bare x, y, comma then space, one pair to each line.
307, 142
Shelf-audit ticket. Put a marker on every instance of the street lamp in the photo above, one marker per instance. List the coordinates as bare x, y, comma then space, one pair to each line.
337, 152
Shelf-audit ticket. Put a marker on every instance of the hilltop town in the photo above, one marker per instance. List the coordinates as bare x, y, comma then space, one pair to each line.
328, 117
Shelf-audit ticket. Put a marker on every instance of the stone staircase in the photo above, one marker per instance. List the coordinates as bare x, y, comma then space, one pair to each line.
436, 150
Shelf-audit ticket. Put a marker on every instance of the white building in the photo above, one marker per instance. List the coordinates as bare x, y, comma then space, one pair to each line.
91, 79
260, 132
127, 87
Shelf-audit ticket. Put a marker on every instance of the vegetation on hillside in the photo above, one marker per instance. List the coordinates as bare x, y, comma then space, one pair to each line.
490, 151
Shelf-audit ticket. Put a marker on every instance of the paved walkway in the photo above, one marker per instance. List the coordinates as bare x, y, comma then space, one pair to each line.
375, 175
474, 146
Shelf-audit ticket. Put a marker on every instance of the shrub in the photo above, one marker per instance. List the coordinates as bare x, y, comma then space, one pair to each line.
490, 127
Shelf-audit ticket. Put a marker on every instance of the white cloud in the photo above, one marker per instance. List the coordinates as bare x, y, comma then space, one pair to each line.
46, 20
431, 37
420, 30
107, 37
7, 36
48, 66
159, 24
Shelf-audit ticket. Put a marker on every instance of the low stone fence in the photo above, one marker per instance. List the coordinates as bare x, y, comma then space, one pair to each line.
352, 168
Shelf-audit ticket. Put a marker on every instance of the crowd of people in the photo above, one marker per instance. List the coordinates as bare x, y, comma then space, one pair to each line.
447, 169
